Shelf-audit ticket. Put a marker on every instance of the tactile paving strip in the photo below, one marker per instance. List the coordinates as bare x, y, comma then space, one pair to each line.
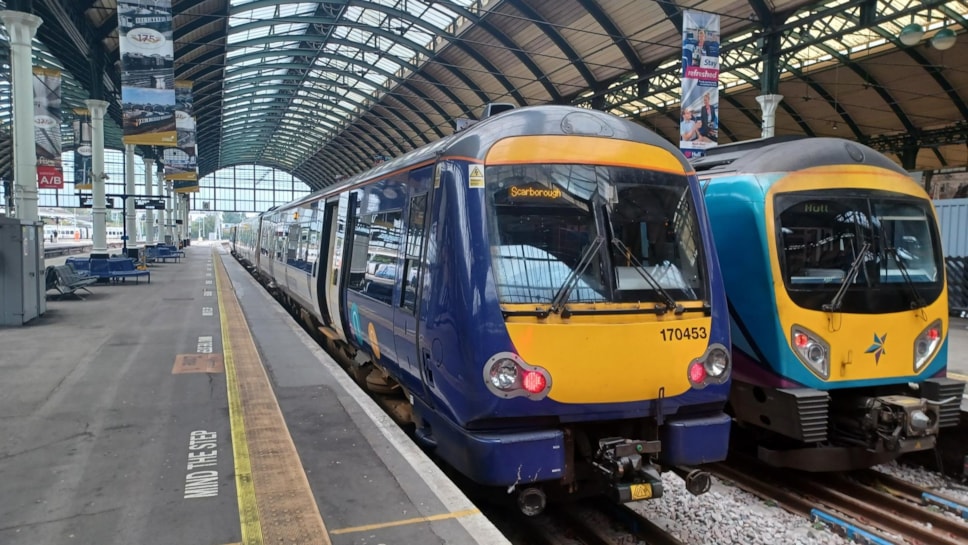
198, 363
286, 507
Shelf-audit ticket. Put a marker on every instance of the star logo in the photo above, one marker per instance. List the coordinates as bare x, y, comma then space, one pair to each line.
877, 348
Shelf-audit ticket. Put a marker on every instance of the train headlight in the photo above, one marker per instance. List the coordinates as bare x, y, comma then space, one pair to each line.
926, 344
717, 362
504, 375
507, 375
812, 350
711, 368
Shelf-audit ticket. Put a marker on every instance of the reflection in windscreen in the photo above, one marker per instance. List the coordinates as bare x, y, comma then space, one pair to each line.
821, 237
594, 233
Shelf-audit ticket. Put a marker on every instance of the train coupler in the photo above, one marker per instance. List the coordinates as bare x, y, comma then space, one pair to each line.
895, 420
626, 468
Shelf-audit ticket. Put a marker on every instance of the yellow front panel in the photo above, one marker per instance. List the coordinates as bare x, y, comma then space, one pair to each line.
853, 348
577, 149
854, 352
594, 361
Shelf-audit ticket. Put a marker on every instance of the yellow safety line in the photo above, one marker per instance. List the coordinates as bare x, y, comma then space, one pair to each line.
248, 510
958, 376
431, 518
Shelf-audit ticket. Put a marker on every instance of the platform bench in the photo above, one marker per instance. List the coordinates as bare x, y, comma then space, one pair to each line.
66, 281
124, 268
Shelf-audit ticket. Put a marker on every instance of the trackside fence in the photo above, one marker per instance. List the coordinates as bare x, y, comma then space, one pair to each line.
953, 221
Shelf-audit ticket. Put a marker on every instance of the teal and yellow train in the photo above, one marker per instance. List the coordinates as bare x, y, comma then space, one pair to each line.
835, 282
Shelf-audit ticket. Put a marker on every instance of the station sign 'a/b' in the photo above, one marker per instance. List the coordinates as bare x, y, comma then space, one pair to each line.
49, 178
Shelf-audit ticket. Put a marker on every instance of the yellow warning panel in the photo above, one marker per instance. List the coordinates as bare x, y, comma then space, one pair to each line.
198, 363
475, 176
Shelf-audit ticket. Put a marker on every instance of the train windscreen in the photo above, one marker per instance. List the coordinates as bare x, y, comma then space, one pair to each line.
879, 250
586, 234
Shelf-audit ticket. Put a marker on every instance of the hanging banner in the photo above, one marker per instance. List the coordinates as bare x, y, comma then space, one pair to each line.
47, 128
180, 162
699, 119
147, 72
82, 149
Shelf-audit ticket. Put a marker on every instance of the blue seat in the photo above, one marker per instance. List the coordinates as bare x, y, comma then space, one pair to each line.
100, 269
81, 265
122, 268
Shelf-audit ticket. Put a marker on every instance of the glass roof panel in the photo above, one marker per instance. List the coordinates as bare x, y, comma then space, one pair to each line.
343, 80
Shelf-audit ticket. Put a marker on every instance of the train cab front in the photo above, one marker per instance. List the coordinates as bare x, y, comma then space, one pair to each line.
606, 286
863, 322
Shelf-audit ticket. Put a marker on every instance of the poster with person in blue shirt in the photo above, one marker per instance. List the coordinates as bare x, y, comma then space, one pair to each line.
699, 121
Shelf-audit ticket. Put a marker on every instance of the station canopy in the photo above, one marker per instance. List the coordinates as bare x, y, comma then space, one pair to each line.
324, 89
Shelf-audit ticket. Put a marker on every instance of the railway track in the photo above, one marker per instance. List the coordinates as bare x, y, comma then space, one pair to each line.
593, 523
848, 507
913, 493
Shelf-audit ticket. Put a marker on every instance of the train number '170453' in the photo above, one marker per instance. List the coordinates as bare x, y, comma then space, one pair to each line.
680, 333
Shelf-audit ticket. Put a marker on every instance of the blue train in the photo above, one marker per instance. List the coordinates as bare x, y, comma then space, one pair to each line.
539, 289
836, 285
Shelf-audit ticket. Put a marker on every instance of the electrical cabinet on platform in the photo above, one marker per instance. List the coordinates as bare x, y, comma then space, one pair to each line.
22, 286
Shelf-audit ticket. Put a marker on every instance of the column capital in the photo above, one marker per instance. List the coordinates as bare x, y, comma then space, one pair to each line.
149, 162
97, 107
21, 26
768, 103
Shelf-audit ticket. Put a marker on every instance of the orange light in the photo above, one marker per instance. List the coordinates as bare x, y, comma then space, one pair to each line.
933, 334
800, 340
533, 381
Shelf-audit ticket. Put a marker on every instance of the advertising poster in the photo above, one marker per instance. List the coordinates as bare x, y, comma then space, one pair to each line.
147, 72
47, 128
699, 115
181, 162
82, 149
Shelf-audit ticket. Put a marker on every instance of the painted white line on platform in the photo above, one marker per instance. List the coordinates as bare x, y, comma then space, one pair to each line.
208, 311
207, 293
205, 345
208, 282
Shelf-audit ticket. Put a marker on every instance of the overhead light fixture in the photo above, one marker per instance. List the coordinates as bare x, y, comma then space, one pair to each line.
944, 39
911, 34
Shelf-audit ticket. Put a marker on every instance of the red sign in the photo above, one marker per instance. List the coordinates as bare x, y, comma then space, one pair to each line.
49, 178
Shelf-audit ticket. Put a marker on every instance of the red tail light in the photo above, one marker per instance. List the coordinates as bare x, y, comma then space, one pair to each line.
533, 381
697, 373
933, 334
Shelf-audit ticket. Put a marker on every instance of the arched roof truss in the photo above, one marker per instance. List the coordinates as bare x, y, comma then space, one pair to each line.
321, 88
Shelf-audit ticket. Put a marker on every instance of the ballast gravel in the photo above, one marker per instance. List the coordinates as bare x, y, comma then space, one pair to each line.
729, 515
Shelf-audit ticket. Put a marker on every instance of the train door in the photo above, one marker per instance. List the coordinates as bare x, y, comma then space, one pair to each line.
324, 267
405, 307
343, 256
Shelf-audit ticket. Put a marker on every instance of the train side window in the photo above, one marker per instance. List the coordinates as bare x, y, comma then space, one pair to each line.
376, 245
411, 264
358, 261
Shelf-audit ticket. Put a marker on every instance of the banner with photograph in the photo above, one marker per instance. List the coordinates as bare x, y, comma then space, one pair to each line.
180, 162
147, 72
699, 116
47, 128
82, 148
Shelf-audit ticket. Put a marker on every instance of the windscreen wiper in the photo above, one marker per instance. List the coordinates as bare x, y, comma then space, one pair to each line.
586, 259
834, 304
917, 301
668, 303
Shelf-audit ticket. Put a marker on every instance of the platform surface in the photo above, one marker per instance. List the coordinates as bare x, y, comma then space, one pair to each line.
118, 425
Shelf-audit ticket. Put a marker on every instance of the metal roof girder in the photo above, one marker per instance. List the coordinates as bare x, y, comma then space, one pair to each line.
440, 32
414, 69
618, 37
556, 38
257, 4
878, 88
